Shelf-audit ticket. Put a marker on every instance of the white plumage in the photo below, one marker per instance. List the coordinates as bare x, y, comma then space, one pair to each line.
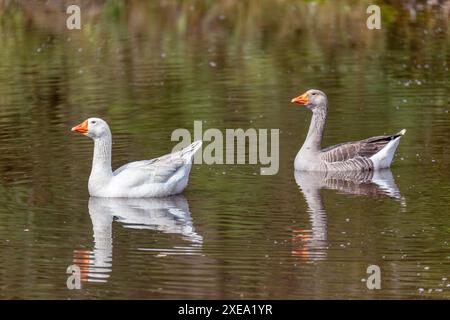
159, 177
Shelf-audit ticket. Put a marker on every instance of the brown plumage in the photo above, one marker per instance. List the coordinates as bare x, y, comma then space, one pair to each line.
363, 148
364, 155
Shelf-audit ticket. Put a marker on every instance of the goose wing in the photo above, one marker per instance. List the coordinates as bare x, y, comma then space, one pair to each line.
160, 169
156, 170
351, 150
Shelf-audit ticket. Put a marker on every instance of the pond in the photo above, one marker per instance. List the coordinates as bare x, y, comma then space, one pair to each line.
149, 68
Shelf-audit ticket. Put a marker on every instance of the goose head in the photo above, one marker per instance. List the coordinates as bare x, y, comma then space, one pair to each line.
94, 128
312, 99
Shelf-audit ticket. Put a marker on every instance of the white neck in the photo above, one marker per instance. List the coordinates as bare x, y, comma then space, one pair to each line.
101, 162
313, 140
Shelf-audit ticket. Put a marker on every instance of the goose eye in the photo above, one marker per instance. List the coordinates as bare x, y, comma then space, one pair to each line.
93, 122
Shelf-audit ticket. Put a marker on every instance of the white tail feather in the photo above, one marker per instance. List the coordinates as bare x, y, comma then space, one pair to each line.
383, 158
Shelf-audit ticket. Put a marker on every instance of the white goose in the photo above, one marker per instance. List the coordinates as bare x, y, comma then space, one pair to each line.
365, 155
159, 177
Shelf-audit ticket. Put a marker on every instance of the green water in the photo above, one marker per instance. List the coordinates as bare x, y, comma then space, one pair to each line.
150, 68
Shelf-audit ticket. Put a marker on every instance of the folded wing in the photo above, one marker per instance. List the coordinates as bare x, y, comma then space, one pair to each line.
351, 150
160, 170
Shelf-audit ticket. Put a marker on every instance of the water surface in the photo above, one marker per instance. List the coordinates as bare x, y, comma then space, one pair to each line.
151, 68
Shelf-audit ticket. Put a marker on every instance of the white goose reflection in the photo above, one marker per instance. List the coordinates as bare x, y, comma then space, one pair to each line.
168, 215
312, 244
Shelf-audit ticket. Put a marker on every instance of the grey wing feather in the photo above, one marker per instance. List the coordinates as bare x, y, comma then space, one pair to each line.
350, 150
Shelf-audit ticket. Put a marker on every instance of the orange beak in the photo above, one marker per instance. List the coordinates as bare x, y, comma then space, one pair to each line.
303, 99
82, 127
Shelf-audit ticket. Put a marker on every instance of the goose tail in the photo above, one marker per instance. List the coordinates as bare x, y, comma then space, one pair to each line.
383, 158
188, 152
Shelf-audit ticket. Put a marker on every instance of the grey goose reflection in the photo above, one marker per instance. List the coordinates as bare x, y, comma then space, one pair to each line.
312, 244
169, 215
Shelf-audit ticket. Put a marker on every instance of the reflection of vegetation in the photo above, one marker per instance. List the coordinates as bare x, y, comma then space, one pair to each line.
152, 66
138, 54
